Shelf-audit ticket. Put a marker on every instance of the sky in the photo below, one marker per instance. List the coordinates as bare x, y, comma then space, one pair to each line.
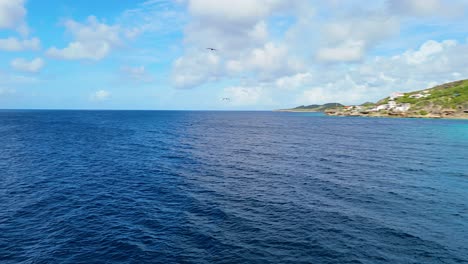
270, 54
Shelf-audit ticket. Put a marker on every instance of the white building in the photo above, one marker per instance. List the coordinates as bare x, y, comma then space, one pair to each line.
402, 108
382, 107
417, 96
396, 95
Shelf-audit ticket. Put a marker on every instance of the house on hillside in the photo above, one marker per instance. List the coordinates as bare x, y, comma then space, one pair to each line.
395, 95
402, 107
381, 107
419, 95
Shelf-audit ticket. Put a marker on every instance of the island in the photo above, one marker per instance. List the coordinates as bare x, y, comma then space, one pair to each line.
449, 100
313, 108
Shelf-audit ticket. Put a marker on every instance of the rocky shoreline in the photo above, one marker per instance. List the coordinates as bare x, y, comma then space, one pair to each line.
445, 115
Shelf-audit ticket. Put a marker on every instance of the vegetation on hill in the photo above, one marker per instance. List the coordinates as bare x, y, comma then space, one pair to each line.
446, 100
452, 95
368, 104
314, 108
318, 108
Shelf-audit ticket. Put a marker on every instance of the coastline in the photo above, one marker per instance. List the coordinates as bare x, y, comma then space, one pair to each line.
298, 111
378, 115
445, 101
398, 115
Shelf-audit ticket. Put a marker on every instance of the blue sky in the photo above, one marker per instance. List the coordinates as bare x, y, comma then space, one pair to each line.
271, 54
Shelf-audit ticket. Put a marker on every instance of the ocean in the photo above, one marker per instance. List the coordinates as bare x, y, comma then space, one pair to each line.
231, 187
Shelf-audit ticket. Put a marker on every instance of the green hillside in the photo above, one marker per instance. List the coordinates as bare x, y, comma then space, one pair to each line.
452, 95
319, 107
448, 100
314, 107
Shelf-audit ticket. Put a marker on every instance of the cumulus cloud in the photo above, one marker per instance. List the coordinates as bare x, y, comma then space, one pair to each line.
427, 51
350, 50
99, 96
294, 81
34, 65
242, 12
12, 14
431, 63
268, 62
239, 31
272, 59
93, 40
235, 25
14, 44
193, 70
434, 61
349, 39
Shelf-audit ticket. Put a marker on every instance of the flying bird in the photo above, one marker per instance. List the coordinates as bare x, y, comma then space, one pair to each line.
212, 49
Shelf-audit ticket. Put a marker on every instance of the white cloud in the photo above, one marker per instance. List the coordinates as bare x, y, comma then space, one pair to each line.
12, 14
294, 81
193, 70
427, 51
349, 39
267, 49
34, 65
93, 40
245, 9
351, 50
239, 31
14, 44
101, 95
432, 63
273, 59
268, 62
428, 7
344, 90
239, 13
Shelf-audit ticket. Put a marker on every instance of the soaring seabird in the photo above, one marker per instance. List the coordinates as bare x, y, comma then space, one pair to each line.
211, 49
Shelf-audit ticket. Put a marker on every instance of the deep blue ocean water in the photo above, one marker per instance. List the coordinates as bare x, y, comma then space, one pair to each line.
231, 187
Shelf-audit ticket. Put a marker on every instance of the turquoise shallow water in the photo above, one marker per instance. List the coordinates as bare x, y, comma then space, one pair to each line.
231, 187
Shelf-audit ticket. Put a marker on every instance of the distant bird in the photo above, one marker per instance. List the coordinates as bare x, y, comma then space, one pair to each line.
212, 49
